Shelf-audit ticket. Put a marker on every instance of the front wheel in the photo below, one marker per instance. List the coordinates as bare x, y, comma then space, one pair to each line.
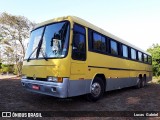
97, 90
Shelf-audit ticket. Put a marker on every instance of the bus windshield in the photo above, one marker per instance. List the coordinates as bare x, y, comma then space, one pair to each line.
50, 41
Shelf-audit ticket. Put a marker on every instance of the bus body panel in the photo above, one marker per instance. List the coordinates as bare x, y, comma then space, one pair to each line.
52, 67
47, 88
119, 72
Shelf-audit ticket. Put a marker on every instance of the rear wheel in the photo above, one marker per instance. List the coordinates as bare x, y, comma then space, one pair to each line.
139, 83
143, 82
97, 90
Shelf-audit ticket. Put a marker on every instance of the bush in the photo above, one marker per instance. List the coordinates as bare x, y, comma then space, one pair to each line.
158, 80
15, 72
0, 65
18, 70
10, 69
7, 68
155, 52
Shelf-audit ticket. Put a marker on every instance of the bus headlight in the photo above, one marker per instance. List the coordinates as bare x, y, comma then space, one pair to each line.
54, 79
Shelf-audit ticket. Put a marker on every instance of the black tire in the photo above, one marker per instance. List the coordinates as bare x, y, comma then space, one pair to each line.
139, 83
143, 83
97, 90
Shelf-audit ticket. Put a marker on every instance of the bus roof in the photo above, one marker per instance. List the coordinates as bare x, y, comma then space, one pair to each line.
90, 25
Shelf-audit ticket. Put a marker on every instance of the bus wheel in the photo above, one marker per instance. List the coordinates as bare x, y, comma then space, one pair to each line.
97, 90
143, 83
139, 83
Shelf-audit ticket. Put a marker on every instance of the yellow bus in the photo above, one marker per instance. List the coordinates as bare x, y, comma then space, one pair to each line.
69, 56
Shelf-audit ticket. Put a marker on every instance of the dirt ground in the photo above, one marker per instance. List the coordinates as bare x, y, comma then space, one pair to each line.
15, 98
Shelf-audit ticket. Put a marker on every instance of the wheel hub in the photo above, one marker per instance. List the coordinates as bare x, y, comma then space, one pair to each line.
95, 89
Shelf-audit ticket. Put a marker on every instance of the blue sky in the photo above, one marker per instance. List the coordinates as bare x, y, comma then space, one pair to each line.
136, 21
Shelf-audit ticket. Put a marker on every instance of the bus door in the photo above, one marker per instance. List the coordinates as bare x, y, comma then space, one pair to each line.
78, 61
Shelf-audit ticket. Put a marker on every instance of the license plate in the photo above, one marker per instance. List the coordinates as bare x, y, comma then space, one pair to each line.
35, 87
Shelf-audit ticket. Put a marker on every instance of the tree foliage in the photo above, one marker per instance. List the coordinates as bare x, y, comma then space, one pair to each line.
15, 28
155, 52
13, 31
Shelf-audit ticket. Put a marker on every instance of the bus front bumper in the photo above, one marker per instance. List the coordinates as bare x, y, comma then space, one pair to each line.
48, 88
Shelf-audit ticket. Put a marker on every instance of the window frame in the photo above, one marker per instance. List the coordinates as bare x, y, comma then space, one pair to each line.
135, 54
127, 51
112, 40
146, 58
41, 58
139, 56
93, 40
119, 48
81, 33
149, 62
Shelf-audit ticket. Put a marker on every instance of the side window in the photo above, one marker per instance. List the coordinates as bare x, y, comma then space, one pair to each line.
103, 45
90, 45
149, 59
133, 54
96, 41
125, 51
139, 56
113, 47
145, 58
99, 42
79, 43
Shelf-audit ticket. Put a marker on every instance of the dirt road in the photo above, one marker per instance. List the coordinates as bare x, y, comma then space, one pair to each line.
15, 98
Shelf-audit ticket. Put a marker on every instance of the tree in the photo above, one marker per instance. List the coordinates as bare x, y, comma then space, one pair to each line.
13, 31
155, 52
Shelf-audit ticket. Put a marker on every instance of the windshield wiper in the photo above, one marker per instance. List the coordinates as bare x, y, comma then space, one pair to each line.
38, 49
31, 54
44, 56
